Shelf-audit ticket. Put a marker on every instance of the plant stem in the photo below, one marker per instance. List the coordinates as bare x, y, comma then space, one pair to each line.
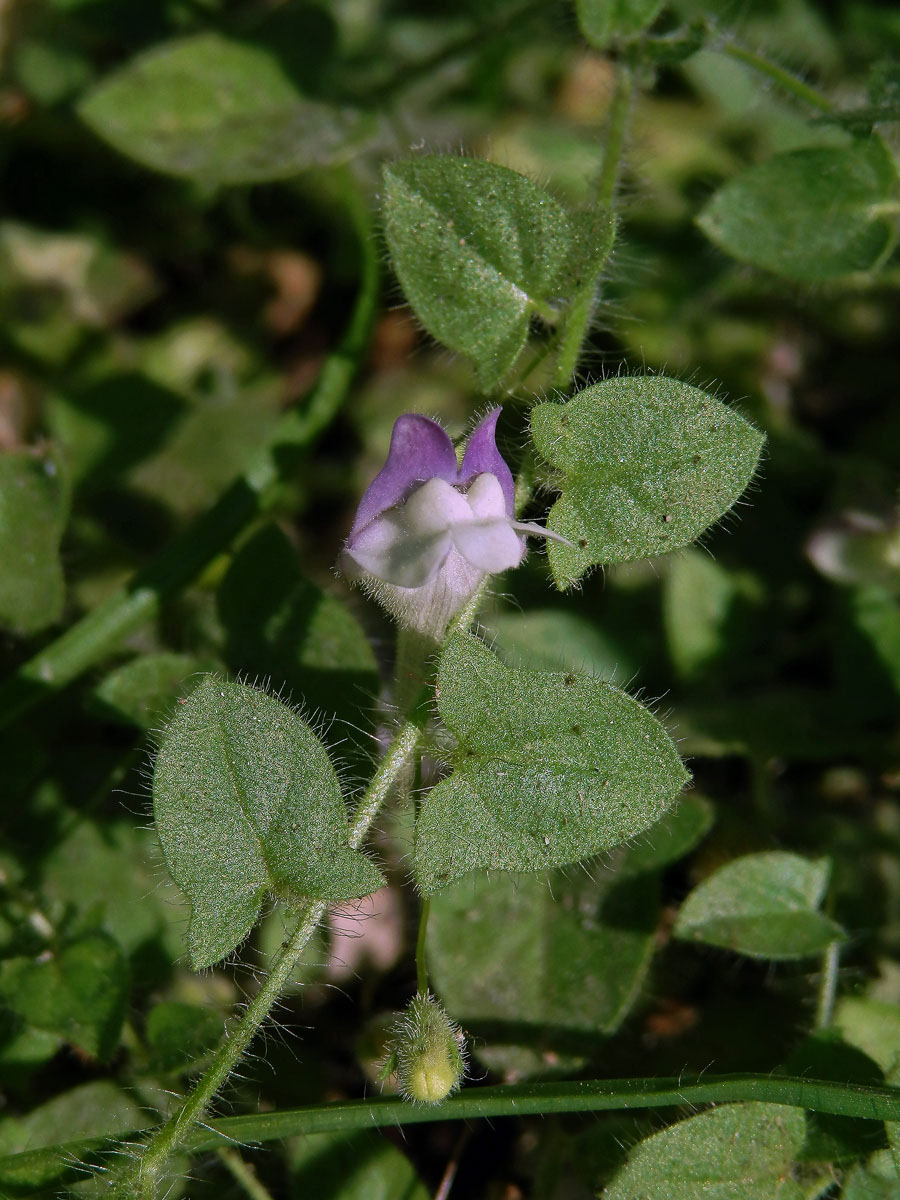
421, 963
831, 960
171, 1136
100, 631
871, 1103
403, 747
784, 79
616, 132
572, 334
244, 1174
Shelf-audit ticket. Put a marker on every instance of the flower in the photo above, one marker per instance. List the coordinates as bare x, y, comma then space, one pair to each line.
429, 529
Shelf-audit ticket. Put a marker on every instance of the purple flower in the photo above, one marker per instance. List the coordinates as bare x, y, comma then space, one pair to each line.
429, 529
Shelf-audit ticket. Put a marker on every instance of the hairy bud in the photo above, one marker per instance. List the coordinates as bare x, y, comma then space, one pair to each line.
427, 1051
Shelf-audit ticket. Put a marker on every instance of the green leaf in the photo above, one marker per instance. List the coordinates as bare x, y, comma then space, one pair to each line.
873, 1180
762, 905
549, 639
146, 689
96, 1109
216, 110
178, 1033
602, 21
873, 1026
110, 873
809, 215
282, 627
550, 768
248, 803
355, 1166
876, 613
233, 398
77, 991
33, 510
704, 611
570, 961
672, 837
892, 1128
647, 464
480, 249
831, 1139
92, 1110
735, 1152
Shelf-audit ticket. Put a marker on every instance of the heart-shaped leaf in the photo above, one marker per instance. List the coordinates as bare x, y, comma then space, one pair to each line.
480, 249
216, 110
247, 803
762, 905
810, 214
646, 463
550, 769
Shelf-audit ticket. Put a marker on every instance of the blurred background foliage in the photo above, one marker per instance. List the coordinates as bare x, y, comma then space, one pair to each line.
174, 266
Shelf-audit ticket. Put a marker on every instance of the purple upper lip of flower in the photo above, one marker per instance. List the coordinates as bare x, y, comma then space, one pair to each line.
422, 450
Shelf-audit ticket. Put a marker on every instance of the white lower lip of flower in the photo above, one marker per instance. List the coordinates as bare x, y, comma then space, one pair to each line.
407, 546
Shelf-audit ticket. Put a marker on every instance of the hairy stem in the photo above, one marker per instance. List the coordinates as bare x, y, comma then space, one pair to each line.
616, 133
784, 79
92, 638
572, 334
171, 1137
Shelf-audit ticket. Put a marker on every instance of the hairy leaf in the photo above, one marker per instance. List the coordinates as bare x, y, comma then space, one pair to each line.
480, 249
216, 110
763, 905
810, 214
247, 803
555, 639
735, 1152
570, 960
550, 769
676, 834
873, 1180
647, 464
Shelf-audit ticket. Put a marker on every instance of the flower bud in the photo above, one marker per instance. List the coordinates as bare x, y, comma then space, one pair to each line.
428, 1052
